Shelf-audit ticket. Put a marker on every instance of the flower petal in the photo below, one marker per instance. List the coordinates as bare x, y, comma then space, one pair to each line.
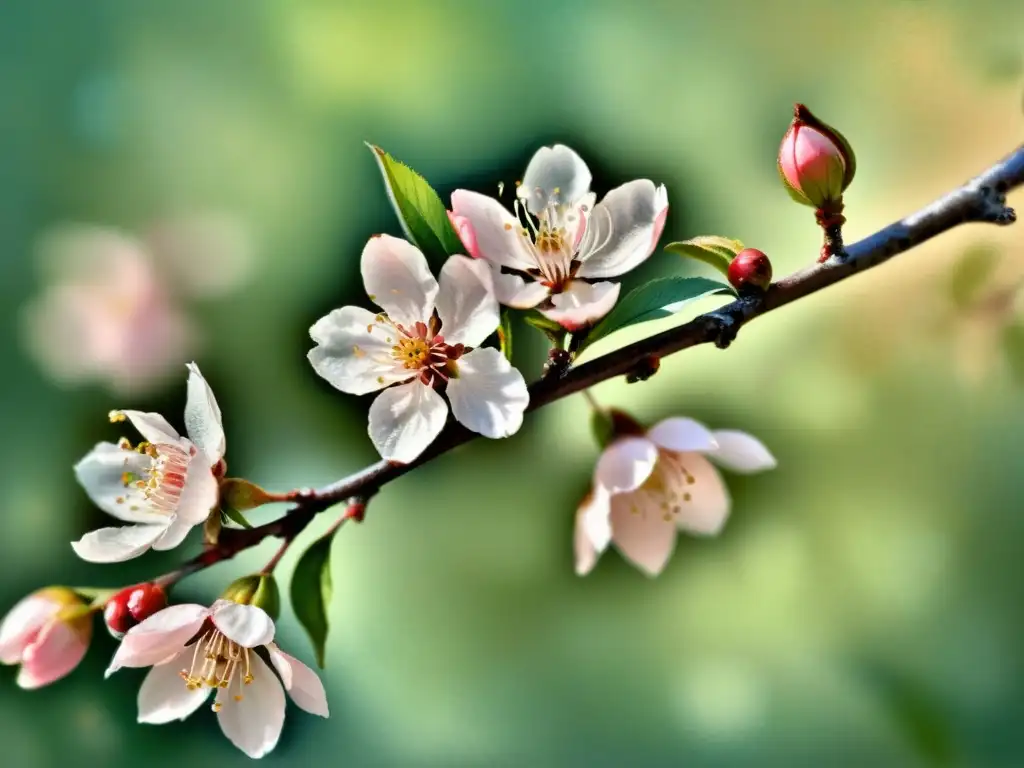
203, 420
513, 291
115, 545
60, 647
101, 475
175, 533
582, 304
153, 427
488, 396
23, 623
464, 229
159, 637
301, 682
353, 352
164, 697
405, 419
741, 452
623, 228
398, 279
641, 533
680, 434
707, 508
199, 494
625, 464
555, 176
593, 529
466, 303
499, 235
246, 625
254, 724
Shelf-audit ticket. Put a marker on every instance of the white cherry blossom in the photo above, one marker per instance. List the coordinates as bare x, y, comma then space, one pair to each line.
558, 249
162, 487
195, 651
424, 342
648, 486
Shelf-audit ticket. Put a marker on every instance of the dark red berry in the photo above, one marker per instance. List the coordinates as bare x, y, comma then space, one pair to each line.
750, 269
132, 605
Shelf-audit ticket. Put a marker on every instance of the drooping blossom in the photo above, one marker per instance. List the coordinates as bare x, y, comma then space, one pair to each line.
162, 487
424, 342
557, 250
195, 651
48, 633
649, 485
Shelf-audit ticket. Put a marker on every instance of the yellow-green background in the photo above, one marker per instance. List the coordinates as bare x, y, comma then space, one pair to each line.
864, 603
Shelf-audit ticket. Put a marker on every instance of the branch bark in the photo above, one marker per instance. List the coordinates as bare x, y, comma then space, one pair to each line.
983, 199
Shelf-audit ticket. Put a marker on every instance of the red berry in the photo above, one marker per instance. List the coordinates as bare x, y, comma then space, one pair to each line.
132, 605
750, 269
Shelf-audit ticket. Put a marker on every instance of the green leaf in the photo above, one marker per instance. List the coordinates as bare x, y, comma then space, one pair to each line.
654, 300
95, 595
551, 329
505, 334
971, 274
713, 250
311, 591
423, 216
236, 517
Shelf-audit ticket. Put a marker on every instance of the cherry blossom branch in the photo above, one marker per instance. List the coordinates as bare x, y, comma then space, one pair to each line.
983, 199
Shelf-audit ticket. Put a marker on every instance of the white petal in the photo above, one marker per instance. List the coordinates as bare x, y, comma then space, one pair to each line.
405, 419
254, 724
582, 304
593, 529
115, 545
153, 427
641, 533
513, 291
159, 637
301, 682
679, 434
488, 396
24, 622
101, 475
202, 417
555, 176
741, 452
175, 533
164, 697
398, 280
199, 494
707, 508
246, 625
466, 303
623, 229
499, 235
626, 464
353, 351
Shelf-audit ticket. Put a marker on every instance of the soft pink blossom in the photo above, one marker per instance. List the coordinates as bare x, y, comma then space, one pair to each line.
48, 633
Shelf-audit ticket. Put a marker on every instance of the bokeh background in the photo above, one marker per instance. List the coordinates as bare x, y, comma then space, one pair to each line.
187, 180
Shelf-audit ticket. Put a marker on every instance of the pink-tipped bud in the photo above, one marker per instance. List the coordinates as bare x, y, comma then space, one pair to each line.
465, 232
48, 633
816, 163
131, 606
750, 269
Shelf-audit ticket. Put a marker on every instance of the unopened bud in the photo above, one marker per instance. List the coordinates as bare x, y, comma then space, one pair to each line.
131, 606
750, 269
816, 163
258, 589
466, 233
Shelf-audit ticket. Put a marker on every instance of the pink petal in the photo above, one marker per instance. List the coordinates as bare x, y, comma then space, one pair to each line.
246, 625
740, 452
499, 236
23, 623
626, 464
253, 724
464, 229
582, 304
681, 434
593, 529
707, 508
466, 303
641, 532
398, 280
164, 697
301, 682
58, 649
203, 420
159, 637
623, 229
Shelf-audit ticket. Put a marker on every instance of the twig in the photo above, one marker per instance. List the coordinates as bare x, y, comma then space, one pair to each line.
982, 199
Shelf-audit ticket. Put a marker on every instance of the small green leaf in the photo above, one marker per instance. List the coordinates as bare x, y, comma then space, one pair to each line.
423, 216
971, 273
95, 595
713, 250
505, 334
236, 517
551, 329
311, 591
654, 300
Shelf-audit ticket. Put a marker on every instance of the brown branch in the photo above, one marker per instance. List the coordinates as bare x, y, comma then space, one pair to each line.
982, 199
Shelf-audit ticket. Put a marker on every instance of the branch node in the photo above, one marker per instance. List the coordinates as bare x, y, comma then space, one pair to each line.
724, 328
644, 369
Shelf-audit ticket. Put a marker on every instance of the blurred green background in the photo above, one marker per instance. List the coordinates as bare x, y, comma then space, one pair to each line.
864, 603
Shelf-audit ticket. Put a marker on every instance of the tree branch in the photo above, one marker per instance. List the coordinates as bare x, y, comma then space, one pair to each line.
982, 199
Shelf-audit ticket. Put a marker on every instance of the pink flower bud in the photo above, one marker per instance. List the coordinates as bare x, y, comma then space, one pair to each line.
466, 233
816, 163
48, 633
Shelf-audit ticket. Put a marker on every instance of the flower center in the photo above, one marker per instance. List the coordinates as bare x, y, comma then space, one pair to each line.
554, 237
419, 348
157, 486
217, 663
412, 353
668, 487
